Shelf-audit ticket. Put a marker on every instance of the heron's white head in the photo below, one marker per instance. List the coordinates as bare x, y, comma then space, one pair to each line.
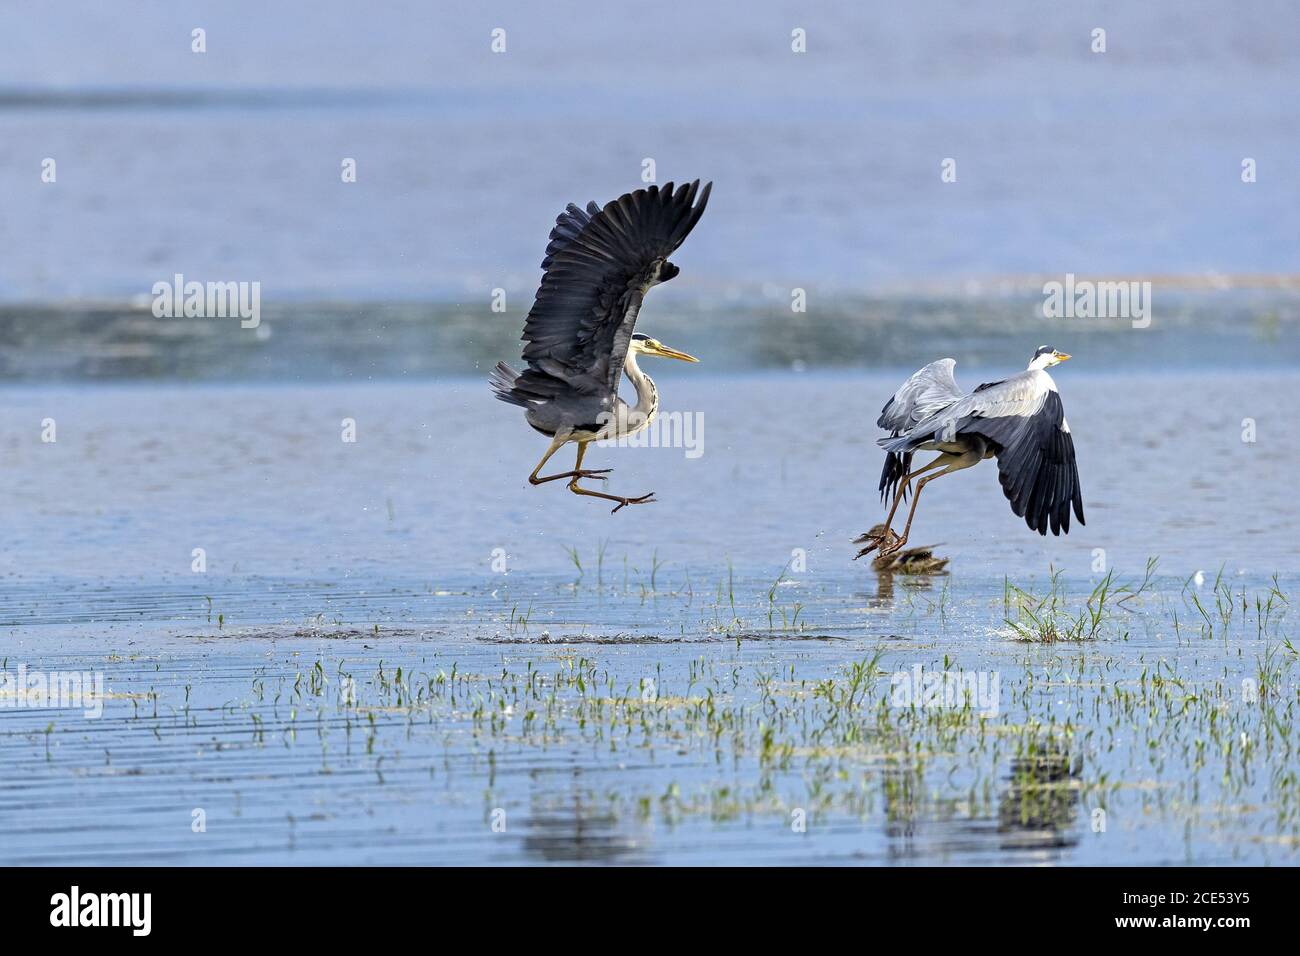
645, 345
1046, 357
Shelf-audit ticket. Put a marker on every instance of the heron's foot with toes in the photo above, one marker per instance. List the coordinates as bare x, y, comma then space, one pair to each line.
884, 539
643, 500
893, 546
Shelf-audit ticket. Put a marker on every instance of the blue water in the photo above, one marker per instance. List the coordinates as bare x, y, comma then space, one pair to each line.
226, 164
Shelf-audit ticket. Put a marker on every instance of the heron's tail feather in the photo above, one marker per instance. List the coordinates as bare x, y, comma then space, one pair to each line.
898, 444
502, 379
896, 468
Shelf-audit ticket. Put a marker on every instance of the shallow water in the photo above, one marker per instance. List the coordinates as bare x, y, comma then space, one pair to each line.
524, 728
260, 477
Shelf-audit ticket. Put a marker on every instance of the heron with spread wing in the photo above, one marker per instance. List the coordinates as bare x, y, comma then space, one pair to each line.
580, 338
1019, 421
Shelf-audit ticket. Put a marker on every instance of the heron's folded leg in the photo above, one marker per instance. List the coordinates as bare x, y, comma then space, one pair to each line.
881, 540
622, 502
577, 466
647, 499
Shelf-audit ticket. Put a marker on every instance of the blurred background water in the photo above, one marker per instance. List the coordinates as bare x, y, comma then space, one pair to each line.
226, 164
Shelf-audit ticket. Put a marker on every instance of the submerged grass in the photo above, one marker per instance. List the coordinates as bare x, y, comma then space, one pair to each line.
1082, 717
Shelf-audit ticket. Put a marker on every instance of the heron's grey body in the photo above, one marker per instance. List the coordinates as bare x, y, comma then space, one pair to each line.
1019, 420
579, 338
586, 417
581, 417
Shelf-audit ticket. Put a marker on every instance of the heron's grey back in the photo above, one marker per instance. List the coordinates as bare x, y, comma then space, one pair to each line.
1019, 396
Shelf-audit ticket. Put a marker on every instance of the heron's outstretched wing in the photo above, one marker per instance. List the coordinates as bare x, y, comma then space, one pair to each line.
1024, 422
599, 265
1036, 463
929, 391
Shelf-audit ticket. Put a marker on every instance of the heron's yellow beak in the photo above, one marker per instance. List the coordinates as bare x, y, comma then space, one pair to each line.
666, 352
1062, 356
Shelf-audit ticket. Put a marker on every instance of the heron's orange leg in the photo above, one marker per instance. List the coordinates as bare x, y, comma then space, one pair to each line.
622, 502
882, 540
577, 467
902, 489
955, 463
890, 549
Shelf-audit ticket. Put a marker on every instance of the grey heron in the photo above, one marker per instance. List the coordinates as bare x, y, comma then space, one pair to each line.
579, 336
1018, 420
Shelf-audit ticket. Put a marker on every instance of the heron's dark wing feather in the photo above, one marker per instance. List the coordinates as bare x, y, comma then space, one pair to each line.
599, 264
1036, 463
897, 467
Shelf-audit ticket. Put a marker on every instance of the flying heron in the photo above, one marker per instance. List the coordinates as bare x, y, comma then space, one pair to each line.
1018, 420
579, 338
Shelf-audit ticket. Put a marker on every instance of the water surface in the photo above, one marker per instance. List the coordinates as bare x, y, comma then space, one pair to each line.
709, 670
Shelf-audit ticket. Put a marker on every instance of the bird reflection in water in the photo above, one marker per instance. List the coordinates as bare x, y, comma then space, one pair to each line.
916, 565
1039, 808
577, 832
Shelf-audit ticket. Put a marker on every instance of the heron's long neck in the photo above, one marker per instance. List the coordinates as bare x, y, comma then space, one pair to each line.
647, 396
